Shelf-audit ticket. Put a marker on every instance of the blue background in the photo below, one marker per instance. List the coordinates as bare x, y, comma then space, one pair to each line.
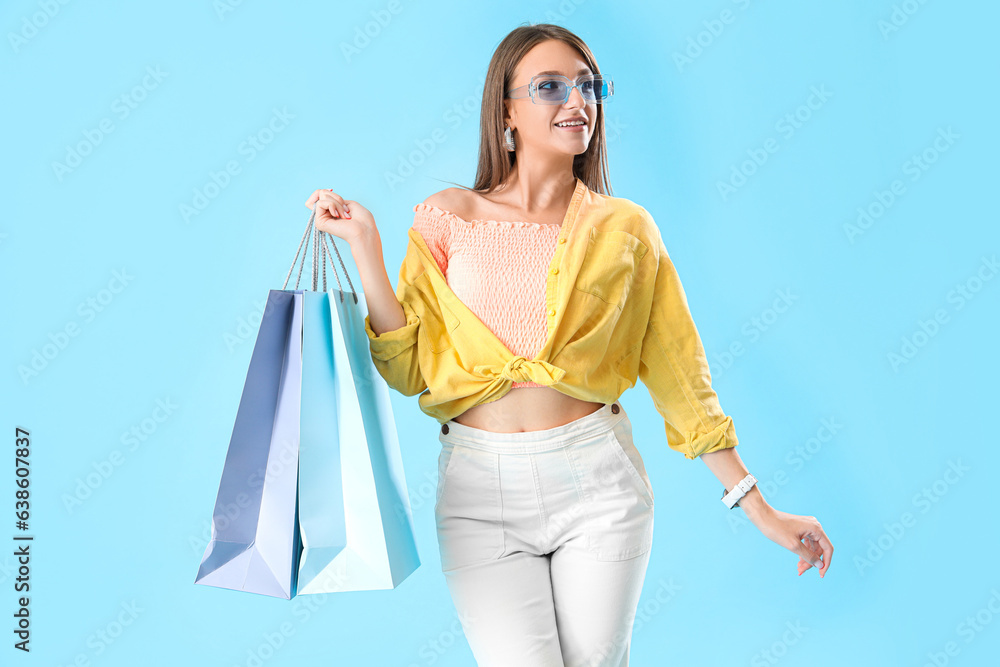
367, 86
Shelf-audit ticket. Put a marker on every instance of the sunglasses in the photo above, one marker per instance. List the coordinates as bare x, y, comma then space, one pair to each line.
555, 89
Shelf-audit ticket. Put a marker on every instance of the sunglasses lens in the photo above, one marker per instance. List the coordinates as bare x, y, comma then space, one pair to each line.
598, 88
553, 91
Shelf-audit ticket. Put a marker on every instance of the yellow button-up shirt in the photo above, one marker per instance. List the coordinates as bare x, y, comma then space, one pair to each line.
616, 311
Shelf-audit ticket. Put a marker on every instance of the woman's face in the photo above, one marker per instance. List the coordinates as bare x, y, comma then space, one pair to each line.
534, 125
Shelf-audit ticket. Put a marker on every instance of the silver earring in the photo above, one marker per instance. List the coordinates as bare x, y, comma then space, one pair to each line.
508, 140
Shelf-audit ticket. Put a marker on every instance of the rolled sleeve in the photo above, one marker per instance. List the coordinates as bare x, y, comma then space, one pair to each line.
674, 368
391, 344
395, 353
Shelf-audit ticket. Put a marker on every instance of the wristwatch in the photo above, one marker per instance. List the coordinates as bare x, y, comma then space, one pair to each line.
732, 498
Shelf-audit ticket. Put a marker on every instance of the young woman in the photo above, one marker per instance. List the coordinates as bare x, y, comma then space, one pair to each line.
525, 306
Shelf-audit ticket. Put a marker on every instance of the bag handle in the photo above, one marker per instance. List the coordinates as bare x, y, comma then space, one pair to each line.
320, 254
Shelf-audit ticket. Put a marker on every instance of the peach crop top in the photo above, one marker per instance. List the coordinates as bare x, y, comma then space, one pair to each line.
472, 253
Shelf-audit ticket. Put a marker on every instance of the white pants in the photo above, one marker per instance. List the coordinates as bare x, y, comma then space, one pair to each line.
544, 539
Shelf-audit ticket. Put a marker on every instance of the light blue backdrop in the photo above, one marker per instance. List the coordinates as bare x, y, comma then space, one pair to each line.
844, 285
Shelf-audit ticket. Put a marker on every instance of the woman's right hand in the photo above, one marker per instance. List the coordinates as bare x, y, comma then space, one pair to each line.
344, 218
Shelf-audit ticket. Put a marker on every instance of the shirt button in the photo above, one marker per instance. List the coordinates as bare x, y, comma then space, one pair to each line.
555, 271
563, 240
552, 311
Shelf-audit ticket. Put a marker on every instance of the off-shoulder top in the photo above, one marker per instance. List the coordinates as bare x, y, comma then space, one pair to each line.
498, 269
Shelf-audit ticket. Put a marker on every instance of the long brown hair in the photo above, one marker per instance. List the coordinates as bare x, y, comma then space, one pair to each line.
495, 161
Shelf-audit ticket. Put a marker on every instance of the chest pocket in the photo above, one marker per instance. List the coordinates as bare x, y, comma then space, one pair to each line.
609, 264
438, 332
451, 322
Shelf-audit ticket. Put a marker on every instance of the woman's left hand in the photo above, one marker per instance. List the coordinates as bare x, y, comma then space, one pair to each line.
802, 535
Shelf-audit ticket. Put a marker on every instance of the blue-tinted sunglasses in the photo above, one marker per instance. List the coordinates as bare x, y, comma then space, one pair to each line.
555, 89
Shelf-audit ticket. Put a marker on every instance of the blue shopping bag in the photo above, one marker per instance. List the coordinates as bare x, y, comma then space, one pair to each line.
350, 527
254, 545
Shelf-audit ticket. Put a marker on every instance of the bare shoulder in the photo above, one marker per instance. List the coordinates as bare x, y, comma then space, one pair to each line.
453, 200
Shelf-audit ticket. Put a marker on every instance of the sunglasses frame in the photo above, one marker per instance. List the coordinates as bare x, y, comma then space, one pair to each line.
532, 87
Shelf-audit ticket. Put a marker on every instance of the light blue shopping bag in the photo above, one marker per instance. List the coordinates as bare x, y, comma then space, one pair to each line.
354, 512
314, 466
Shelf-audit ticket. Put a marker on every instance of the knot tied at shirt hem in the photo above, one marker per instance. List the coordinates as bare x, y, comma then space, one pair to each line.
521, 369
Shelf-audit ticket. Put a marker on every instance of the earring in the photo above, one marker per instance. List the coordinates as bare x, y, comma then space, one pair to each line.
508, 140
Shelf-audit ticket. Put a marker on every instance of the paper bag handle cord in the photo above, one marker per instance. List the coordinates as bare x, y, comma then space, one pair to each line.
319, 257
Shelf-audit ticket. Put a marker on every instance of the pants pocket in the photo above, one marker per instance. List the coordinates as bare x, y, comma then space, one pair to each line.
468, 509
617, 503
443, 459
632, 459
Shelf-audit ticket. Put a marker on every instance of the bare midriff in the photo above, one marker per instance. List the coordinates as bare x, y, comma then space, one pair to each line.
527, 409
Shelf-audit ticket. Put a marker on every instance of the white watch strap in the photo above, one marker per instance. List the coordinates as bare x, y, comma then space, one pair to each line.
733, 497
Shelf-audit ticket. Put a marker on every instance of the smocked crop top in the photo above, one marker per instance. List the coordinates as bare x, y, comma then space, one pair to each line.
473, 253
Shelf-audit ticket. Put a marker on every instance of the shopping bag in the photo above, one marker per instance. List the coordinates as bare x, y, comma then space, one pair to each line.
355, 520
254, 545
344, 521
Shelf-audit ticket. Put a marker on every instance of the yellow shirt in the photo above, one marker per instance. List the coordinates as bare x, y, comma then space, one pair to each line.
616, 311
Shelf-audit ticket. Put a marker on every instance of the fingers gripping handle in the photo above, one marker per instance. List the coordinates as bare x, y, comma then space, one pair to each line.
320, 254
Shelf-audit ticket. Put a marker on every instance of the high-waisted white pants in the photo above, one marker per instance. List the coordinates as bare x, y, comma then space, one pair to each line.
544, 539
